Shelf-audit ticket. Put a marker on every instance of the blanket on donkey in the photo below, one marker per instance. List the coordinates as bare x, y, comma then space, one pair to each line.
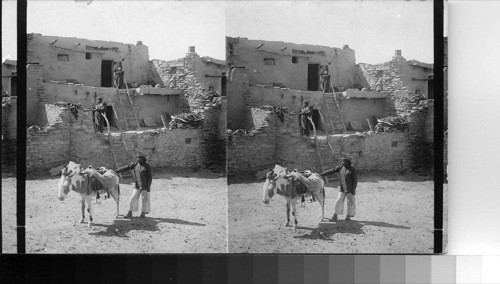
313, 183
108, 179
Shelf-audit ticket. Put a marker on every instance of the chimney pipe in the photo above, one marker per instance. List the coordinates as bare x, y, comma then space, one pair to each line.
397, 52
191, 49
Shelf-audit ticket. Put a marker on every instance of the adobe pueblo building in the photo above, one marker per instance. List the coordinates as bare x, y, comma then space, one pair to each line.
381, 116
173, 116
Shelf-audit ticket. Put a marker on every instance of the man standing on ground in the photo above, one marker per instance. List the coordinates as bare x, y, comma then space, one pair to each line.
304, 115
348, 184
99, 111
143, 177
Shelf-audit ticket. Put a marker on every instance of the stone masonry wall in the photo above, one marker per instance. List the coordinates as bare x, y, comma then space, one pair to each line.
9, 135
189, 74
279, 143
253, 151
68, 138
393, 77
49, 147
9, 119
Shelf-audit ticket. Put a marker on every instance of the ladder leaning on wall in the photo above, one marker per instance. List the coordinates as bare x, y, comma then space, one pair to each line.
333, 113
325, 151
120, 157
127, 108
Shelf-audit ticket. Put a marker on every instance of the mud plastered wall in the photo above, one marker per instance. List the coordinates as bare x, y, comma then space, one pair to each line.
149, 107
34, 88
290, 62
70, 138
84, 64
351, 109
238, 114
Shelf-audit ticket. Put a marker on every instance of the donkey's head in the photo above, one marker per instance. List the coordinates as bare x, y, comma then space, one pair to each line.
269, 188
65, 182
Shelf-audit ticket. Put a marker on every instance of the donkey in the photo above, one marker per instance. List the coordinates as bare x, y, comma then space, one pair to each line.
278, 181
72, 177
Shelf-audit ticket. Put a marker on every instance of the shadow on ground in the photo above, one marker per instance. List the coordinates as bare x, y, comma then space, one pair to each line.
326, 230
121, 227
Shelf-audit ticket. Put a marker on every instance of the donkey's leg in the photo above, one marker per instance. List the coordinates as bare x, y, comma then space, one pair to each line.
115, 193
319, 196
88, 199
294, 213
83, 210
287, 223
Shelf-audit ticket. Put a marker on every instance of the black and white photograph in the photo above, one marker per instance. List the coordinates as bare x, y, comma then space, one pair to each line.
330, 127
126, 129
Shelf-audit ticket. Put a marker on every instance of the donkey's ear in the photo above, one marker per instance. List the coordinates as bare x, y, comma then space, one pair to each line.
63, 171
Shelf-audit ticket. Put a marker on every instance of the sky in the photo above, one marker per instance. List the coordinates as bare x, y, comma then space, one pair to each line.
166, 27
374, 29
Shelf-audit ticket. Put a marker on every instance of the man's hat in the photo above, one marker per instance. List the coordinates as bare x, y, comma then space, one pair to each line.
346, 159
99, 99
141, 156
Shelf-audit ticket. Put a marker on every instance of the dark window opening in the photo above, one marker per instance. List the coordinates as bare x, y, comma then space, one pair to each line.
107, 73
316, 118
110, 115
88, 55
313, 77
172, 70
188, 140
295, 59
13, 86
269, 61
223, 82
394, 144
63, 57
430, 88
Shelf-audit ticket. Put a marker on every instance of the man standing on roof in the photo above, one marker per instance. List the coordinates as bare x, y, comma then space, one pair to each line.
348, 184
98, 112
325, 79
118, 78
143, 177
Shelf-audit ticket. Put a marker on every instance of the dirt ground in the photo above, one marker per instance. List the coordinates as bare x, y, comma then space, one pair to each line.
188, 215
394, 215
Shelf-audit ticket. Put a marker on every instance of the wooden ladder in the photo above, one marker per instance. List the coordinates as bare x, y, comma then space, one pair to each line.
118, 149
323, 151
121, 156
128, 109
333, 113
